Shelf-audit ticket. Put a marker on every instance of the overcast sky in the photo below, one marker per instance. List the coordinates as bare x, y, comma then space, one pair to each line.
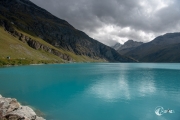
118, 20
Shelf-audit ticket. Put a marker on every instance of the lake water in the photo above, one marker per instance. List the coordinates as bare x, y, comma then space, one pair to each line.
96, 91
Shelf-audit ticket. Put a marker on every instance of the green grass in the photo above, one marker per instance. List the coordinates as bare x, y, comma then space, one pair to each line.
12, 62
4, 62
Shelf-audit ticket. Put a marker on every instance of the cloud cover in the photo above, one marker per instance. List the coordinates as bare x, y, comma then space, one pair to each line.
110, 21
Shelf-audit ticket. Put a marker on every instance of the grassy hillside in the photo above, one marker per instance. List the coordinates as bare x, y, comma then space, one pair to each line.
21, 53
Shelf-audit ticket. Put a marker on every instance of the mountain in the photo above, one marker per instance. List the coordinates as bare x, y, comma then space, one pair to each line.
117, 46
22, 16
165, 48
128, 46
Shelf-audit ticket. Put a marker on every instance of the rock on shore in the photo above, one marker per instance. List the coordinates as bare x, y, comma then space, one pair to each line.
11, 109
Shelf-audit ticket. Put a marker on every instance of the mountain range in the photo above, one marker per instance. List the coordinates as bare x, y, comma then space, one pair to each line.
165, 48
46, 33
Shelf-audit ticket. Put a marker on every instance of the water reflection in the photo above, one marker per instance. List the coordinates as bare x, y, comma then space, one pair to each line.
146, 84
146, 88
110, 88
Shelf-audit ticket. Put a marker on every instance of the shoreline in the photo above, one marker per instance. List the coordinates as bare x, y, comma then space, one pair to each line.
46, 63
10, 109
17, 62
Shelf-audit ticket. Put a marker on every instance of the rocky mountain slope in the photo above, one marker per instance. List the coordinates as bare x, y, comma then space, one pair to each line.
117, 46
165, 48
24, 16
128, 46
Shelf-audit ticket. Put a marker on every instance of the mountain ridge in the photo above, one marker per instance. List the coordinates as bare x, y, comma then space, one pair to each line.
128, 46
116, 46
154, 51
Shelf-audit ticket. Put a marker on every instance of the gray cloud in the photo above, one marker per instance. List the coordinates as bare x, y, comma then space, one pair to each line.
118, 20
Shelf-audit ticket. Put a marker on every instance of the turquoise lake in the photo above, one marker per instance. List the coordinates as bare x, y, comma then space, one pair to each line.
96, 91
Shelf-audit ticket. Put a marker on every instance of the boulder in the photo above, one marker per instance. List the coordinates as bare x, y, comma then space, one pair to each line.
11, 109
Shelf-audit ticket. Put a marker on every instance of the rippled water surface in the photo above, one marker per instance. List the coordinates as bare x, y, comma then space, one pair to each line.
98, 91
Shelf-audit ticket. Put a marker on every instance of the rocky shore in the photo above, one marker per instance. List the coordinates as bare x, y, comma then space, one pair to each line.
11, 109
